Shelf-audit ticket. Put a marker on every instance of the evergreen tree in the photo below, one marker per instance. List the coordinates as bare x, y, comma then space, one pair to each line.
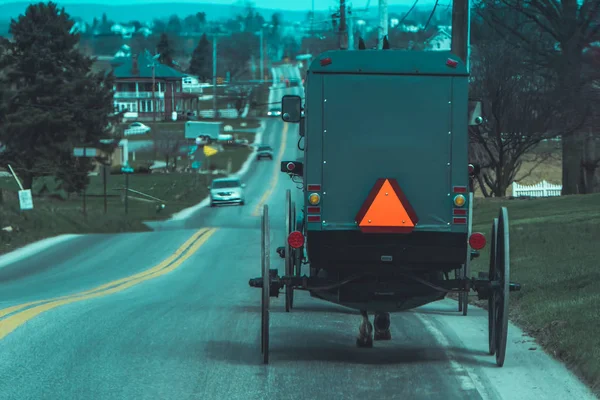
201, 63
53, 101
164, 49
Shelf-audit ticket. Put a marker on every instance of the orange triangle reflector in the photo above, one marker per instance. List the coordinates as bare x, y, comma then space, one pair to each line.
386, 210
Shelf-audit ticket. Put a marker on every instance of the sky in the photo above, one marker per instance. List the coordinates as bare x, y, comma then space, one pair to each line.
287, 4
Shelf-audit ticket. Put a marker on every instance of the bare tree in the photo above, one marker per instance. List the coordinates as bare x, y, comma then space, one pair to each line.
240, 96
167, 144
565, 28
518, 109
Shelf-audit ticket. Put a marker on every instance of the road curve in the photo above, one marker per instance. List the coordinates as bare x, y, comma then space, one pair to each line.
169, 315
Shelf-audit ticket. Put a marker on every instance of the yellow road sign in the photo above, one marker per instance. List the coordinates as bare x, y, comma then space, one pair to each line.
210, 151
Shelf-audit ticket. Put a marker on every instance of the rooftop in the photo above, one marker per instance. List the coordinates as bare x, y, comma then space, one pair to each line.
137, 67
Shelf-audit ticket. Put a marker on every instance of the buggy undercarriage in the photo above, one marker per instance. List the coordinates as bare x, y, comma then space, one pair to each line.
383, 288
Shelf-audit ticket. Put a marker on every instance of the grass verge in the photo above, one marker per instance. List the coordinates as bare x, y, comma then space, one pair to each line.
554, 259
53, 216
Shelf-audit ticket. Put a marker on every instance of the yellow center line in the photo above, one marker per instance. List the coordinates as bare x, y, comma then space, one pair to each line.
11, 323
158, 267
258, 210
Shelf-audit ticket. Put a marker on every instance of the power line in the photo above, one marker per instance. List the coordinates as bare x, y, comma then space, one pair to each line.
432, 12
409, 11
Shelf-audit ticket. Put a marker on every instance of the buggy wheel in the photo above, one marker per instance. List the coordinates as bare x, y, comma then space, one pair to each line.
492, 298
464, 296
289, 266
502, 292
266, 284
460, 298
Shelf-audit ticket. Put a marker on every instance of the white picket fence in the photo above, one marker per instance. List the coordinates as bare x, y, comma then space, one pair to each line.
542, 189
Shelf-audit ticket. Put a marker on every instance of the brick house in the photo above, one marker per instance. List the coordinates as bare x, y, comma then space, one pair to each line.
134, 78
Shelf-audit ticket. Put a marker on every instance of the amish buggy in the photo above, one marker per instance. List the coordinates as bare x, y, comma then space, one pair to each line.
386, 219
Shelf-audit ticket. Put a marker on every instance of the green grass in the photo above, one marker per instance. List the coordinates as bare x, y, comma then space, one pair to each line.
53, 216
555, 258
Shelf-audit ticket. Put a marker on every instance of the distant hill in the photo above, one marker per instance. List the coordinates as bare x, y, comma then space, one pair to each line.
150, 11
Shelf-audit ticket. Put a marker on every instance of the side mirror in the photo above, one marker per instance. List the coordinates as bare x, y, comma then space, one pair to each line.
475, 113
291, 108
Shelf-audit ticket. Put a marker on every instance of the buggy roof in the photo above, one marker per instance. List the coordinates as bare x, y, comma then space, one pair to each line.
397, 62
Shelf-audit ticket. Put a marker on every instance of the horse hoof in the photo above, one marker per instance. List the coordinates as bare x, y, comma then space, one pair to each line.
383, 335
364, 343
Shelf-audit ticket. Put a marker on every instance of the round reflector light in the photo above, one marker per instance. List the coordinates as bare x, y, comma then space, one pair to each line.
314, 199
459, 200
477, 241
296, 239
290, 166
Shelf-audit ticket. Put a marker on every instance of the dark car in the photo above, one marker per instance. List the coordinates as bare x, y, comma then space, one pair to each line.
264, 152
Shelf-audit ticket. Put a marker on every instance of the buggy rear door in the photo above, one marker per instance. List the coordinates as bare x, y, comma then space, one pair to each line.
387, 126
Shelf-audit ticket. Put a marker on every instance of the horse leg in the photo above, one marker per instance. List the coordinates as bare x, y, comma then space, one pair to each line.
365, 332
382, 326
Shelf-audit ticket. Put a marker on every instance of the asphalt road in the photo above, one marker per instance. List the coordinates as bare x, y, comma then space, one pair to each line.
169, 315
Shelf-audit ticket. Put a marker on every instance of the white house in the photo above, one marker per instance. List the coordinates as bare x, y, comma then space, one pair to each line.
440, 41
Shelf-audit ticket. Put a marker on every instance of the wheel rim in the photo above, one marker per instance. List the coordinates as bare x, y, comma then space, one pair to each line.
492, 299
288, 267
503, 268
265, 258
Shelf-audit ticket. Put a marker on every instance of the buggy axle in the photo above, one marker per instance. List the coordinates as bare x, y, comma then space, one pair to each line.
483, 287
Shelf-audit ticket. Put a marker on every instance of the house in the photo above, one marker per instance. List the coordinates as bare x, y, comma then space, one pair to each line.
124, 51
125, 31
144, 31
440, 41
134, 77
79, 26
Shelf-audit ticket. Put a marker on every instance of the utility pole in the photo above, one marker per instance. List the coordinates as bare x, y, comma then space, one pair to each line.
460, 30
312, 19
383, 22
214, 74
343, 31
262, 55
153, 66
350, 30
153, 92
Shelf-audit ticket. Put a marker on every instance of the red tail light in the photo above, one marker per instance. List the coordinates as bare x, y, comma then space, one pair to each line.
477, 241
451, 63
296, 239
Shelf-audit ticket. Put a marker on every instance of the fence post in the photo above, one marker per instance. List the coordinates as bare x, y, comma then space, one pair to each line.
545, 188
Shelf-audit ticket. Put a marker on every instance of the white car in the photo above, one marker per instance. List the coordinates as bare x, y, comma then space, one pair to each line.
136, 128
227, 191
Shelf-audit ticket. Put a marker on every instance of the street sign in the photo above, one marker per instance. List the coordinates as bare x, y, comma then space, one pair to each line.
210, 151
25, 199
85, 152
196, 165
